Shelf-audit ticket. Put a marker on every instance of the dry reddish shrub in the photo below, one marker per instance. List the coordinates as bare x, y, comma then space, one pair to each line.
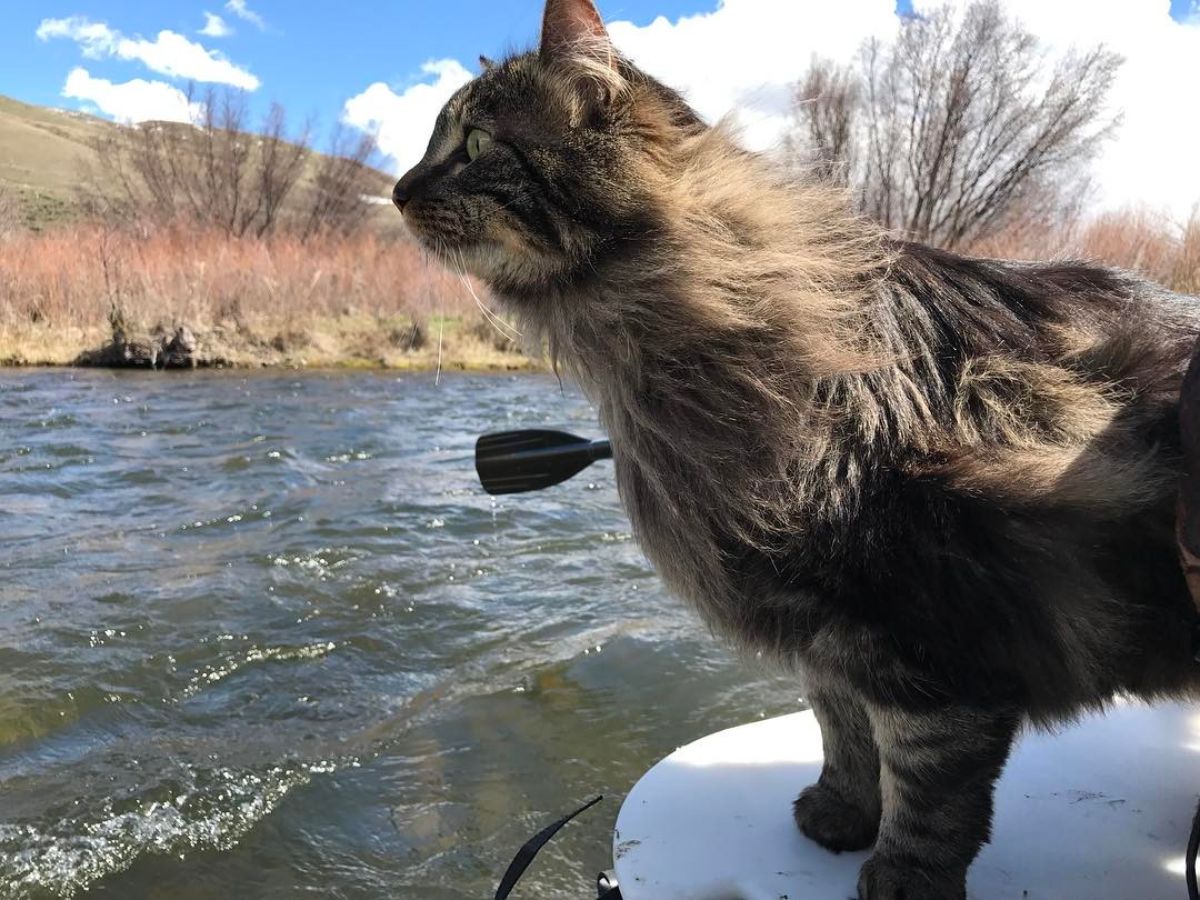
373, 296
67, 290
78, 274
1135, 239
1132, 239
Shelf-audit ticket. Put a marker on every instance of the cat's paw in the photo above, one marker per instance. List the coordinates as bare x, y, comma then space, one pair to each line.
886, 879
834, 822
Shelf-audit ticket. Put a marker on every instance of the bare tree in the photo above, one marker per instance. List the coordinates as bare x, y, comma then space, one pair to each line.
960, 125
10, 211
342, 179
827, 102
280, 164
216, 172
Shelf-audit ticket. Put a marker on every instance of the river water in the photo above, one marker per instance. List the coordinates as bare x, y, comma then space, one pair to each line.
264, 636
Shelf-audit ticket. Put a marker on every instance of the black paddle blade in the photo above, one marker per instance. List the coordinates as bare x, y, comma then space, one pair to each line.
514, 462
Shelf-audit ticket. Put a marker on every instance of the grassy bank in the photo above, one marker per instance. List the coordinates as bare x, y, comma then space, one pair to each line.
87, 294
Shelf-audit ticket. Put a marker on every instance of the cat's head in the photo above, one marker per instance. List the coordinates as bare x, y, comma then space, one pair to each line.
547, 160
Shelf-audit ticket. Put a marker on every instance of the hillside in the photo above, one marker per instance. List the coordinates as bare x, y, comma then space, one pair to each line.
42, 153
45, 153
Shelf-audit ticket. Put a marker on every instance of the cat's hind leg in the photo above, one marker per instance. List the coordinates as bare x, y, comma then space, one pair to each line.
841, 811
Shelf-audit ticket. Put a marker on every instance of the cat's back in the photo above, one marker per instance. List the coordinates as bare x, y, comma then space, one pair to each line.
1049, 384
1100, 323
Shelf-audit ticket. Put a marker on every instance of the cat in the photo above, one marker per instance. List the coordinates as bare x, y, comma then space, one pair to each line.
939, 488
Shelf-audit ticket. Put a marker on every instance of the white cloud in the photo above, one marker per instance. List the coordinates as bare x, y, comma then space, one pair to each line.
245, 13
215, 26
169, 53
743, 57
131, 101
402, 122
95, 38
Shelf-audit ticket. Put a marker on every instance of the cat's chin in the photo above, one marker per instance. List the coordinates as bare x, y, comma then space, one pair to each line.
502, 270
486, 262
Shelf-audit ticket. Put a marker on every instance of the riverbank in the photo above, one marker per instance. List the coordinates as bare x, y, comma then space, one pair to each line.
449, 343
92, 295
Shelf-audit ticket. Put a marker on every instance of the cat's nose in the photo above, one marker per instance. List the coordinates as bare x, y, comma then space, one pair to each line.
409, 186
400, 195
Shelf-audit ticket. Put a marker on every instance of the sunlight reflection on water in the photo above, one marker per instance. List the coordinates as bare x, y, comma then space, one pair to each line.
263, 634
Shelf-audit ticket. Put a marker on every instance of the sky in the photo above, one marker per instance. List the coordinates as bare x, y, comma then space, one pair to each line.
387, 67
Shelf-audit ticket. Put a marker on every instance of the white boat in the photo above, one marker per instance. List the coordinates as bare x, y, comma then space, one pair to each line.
1099, 810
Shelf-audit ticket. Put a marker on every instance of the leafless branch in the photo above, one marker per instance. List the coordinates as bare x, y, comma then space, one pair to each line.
217, 172
343, 177
960, 125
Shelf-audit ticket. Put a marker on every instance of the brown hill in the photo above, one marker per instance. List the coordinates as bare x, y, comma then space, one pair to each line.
46, 156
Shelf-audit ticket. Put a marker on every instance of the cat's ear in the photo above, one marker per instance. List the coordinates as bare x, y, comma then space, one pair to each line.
576, 45
573, 29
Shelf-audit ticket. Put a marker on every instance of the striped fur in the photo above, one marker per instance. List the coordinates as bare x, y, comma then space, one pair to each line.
939, 488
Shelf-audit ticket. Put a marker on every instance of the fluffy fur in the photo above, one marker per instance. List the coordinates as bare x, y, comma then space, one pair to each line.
941, 488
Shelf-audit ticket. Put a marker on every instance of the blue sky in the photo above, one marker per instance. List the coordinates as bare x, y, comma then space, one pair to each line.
310, 56
388, 67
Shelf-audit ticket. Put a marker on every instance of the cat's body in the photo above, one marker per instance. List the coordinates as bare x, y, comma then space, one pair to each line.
1017, 548
941, 488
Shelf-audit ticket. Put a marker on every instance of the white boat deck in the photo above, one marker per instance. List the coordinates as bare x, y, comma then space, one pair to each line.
1097, 811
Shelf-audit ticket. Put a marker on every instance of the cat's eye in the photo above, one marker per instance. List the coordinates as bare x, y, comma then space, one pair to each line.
477, 142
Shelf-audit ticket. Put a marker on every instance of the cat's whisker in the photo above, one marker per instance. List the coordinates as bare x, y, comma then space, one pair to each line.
437, 378
504, 329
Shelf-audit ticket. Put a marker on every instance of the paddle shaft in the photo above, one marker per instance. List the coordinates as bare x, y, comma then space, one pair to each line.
592, 451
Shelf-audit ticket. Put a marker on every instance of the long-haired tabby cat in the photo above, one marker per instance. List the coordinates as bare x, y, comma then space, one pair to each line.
941, 488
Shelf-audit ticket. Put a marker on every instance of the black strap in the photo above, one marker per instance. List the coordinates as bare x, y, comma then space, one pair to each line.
526, 854
1193, 848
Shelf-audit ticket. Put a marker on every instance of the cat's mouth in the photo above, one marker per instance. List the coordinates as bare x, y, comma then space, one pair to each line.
481, 259
445, 245
501, 257
451, 251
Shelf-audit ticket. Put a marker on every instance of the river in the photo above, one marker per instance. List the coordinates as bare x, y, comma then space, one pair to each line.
263, 636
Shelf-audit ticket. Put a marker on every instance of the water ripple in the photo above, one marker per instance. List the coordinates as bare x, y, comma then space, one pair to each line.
263, 636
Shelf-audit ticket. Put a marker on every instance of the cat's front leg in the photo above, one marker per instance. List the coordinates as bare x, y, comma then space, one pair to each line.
938, 771
841, 811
